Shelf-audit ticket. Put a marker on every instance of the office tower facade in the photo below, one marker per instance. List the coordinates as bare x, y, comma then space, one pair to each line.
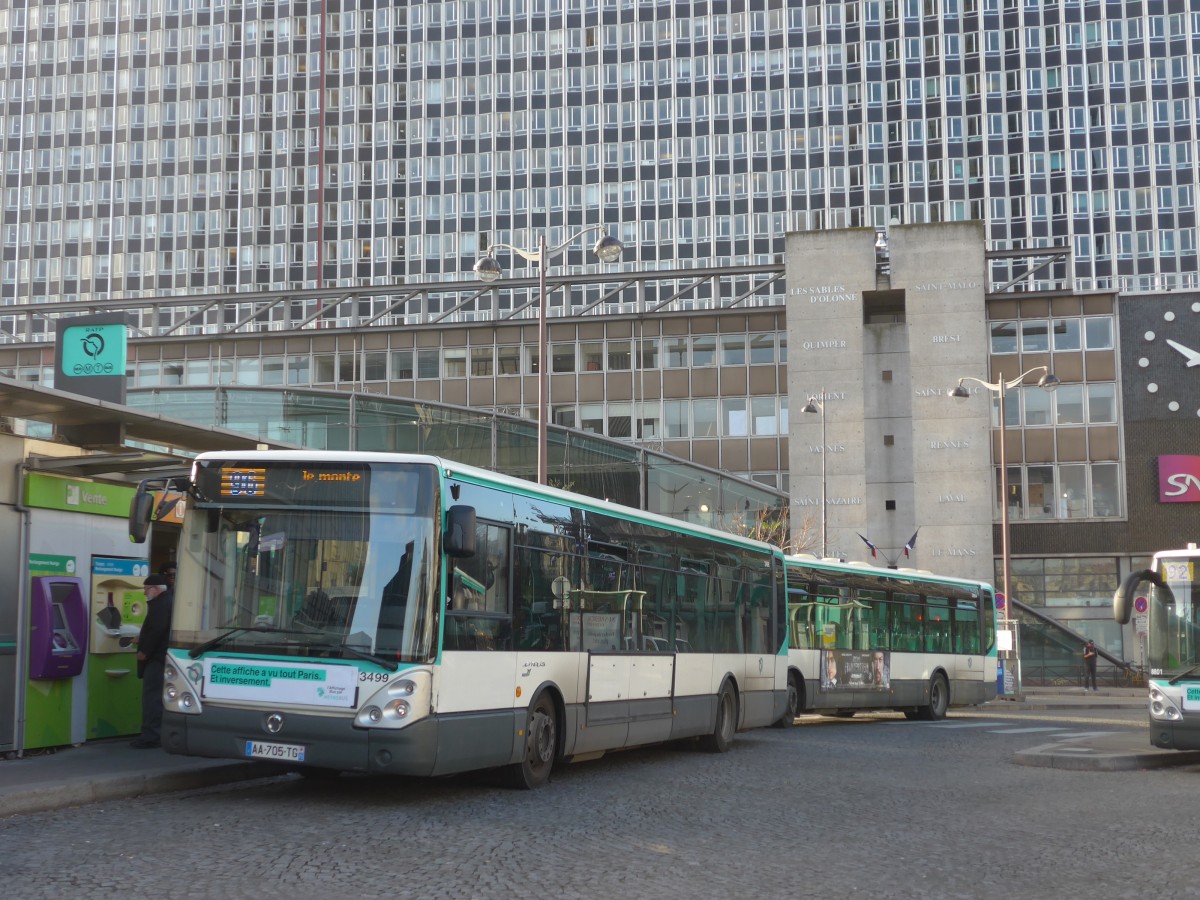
155, 147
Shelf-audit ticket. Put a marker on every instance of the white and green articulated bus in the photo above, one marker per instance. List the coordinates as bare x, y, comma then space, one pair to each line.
389, 613
1171, 607
868, 638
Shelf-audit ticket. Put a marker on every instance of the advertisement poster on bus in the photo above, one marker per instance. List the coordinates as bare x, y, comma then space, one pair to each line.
856, 670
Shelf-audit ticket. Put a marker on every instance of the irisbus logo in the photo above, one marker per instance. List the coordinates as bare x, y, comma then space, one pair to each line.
1179, 479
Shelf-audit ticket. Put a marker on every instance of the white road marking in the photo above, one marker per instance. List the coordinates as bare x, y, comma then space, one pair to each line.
1022, 730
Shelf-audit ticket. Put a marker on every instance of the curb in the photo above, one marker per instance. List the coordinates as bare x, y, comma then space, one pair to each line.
1054, 756
63, 795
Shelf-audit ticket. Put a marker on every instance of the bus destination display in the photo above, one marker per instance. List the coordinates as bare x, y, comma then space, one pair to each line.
313, 484
240, 482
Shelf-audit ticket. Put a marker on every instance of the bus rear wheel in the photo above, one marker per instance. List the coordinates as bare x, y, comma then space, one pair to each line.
541, 746
939, 700
721, 738
788, 719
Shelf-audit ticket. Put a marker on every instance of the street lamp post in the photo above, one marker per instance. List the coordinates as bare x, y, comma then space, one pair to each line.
1048, 382
607, 249
815, 405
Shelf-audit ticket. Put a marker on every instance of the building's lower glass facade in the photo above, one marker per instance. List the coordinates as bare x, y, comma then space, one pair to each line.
587, 464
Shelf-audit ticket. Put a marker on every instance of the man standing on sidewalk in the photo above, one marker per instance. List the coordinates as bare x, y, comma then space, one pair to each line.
152, 658
1089, 665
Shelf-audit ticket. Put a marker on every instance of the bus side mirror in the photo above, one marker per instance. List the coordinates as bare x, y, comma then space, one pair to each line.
141, 508
1123, 598
459, 539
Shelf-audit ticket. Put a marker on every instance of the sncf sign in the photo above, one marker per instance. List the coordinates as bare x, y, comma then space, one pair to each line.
1179, 479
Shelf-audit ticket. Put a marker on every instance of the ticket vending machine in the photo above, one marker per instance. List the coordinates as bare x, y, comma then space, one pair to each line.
58, 627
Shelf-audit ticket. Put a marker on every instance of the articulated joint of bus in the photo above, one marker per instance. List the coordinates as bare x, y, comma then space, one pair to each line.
400, 702
181, 687
1162, 707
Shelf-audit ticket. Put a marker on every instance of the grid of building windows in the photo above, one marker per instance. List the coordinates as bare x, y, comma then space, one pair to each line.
155, 147
1068, 464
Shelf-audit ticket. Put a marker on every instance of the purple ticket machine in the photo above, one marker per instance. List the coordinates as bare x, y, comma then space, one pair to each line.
58, 627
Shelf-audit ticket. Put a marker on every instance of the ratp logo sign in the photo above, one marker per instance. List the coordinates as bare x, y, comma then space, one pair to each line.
1179, 479
91, 350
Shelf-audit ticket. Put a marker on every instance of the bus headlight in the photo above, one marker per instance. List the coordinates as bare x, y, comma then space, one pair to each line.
1161, 707
398, 708
404, 700
180, 687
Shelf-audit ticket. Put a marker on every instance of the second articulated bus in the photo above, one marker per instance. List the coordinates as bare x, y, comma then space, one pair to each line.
863, 637
403, 614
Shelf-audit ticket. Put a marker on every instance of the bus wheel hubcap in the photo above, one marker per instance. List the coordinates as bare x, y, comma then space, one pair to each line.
541, 733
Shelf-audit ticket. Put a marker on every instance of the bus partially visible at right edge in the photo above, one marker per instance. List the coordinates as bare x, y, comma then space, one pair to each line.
865, 638
1171, 606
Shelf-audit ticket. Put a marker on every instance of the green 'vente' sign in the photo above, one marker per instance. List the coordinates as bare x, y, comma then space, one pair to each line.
92, 497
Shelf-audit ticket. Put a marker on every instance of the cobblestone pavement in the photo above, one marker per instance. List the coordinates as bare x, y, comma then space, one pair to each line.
874, 806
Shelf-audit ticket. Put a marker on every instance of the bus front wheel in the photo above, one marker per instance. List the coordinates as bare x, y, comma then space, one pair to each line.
721, 738
541, 746
939, 700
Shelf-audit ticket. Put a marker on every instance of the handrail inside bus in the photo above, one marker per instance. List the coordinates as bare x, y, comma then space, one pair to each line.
585, 594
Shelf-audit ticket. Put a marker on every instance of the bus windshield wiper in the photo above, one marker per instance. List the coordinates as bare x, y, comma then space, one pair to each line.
1184, 674
222, 638
389, 664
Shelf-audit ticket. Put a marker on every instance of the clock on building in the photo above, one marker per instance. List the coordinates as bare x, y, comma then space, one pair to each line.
1170, 360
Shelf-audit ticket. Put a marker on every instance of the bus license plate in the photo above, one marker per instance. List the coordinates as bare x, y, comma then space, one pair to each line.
266, 750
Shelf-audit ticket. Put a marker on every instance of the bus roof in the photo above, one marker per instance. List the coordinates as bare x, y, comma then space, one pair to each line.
797, 560
451, 469
1191, 550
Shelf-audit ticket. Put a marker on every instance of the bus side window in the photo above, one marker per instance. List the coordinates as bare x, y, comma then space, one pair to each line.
539, 561
874, 620
907, 627
478, 615
833, 618
656, 575
989, 620
691, 592
937, 625
758, 617
966, 628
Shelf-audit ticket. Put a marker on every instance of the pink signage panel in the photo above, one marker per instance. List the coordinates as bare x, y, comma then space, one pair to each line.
1179, 479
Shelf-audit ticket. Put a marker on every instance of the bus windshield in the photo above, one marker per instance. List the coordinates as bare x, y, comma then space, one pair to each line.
1174, 638
341, 571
